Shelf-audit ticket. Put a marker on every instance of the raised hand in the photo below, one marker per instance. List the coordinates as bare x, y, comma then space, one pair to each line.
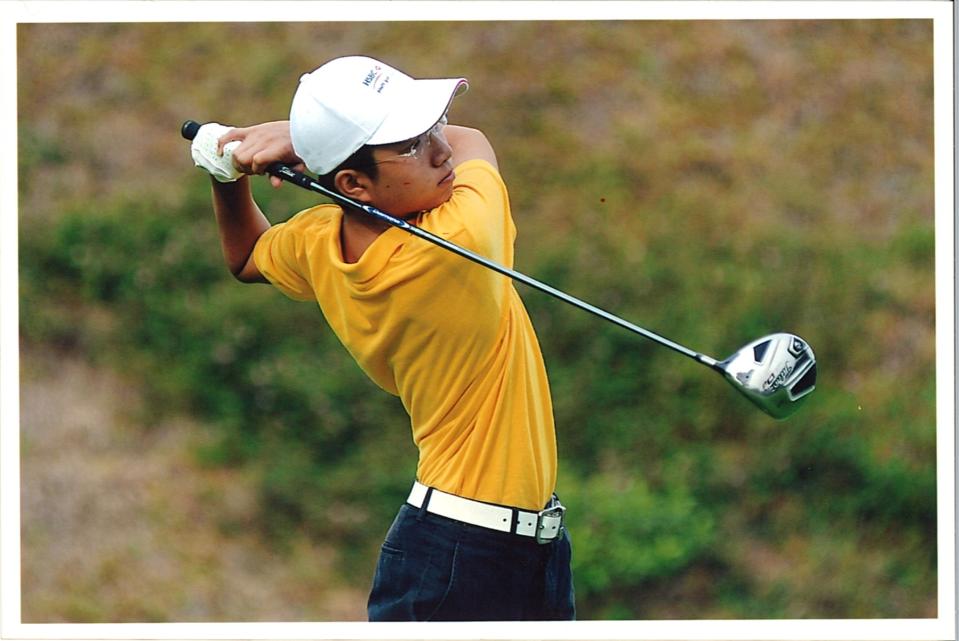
260, 146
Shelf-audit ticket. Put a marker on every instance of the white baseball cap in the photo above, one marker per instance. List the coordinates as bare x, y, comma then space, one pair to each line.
354, 101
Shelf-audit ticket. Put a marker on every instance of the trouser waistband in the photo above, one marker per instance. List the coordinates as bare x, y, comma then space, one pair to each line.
544, 526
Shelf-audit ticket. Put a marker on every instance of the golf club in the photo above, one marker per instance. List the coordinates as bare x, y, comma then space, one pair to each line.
775, 372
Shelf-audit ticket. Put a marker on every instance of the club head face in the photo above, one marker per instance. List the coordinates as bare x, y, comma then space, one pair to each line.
776, 372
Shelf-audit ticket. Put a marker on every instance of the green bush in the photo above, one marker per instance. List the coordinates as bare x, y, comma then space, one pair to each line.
626, 534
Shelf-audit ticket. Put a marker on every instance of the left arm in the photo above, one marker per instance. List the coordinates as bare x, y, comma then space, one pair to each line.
469, 144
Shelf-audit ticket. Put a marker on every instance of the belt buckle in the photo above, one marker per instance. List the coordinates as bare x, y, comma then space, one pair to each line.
556, 511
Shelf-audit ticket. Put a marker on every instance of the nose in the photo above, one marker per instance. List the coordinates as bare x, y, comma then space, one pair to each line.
440, 150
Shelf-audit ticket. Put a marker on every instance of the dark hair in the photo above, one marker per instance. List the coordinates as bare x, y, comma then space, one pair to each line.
361, 159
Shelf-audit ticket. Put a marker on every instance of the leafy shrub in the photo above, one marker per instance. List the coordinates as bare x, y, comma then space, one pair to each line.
627, 534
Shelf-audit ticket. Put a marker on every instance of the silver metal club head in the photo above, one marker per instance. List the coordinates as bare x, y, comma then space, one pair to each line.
776, 372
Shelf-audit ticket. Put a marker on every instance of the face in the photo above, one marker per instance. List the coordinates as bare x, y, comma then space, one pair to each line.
412, 176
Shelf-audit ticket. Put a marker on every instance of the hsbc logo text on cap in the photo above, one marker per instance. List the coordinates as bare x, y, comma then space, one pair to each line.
373, 78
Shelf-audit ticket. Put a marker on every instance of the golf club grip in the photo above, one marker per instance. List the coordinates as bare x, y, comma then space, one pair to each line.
189, 129
288, 174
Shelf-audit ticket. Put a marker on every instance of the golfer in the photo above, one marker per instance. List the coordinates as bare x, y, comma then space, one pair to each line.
481, 534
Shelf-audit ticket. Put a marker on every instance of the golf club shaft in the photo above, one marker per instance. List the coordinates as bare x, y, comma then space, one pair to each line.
300, 179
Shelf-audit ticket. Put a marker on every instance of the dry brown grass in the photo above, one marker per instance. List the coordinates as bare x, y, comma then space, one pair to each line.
113, 510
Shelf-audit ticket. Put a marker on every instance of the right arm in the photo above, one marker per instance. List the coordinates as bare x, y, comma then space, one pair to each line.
239, 219
240, 223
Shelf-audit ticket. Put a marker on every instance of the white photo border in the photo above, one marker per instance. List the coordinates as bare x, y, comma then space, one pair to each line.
944, 32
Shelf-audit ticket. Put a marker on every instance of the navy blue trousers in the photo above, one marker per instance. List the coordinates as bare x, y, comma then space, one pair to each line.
435, 569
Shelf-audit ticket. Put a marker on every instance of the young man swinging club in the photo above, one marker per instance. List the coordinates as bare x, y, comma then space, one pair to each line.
450, 338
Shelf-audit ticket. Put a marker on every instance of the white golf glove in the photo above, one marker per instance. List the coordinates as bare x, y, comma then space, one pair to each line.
205, 156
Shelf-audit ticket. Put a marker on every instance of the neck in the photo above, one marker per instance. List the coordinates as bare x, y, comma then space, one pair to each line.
357, 233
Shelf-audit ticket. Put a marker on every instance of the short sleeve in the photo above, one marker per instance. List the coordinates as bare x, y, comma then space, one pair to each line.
281, 256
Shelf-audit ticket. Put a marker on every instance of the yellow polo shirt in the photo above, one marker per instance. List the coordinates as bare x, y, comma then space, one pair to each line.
451, 338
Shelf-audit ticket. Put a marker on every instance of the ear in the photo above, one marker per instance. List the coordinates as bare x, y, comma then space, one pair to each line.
354, 184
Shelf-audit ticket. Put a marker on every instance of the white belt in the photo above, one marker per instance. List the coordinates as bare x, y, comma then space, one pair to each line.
544, 526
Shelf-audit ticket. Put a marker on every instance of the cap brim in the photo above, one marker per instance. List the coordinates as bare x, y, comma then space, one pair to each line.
417, 109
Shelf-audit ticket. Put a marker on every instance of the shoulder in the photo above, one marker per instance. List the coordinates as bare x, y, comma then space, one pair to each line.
287, 253
314, 220
302, 232
316, 217
477, 173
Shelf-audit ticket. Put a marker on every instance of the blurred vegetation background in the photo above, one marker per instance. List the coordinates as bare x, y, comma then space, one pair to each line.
713, 181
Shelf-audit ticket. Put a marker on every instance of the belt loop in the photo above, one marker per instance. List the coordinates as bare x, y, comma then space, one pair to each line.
426, 501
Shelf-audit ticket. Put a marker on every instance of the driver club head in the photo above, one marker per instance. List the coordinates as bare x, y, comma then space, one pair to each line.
776, 372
